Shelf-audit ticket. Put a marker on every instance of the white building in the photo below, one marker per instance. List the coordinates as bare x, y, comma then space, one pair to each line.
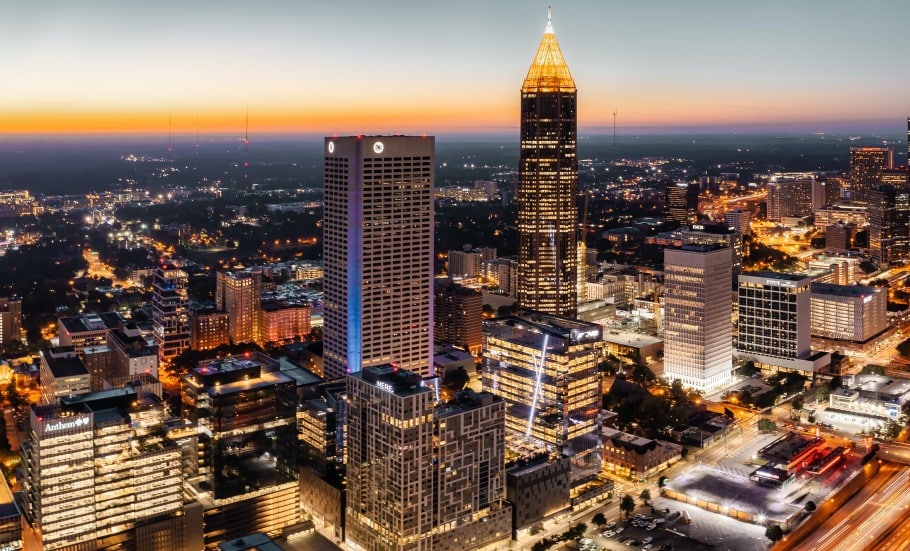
378, 227
848, 312
698, 341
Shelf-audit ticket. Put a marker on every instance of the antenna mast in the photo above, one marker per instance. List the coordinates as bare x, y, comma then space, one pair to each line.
246, 148
614, 134
170, 132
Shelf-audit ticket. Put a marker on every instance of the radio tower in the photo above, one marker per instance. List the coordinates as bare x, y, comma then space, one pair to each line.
246, 149
170, 133
614, 134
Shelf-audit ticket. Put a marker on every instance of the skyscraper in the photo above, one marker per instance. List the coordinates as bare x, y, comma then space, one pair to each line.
548, 184
170, 317
866, 165
698, 343
378, 227
682, 203
889, 224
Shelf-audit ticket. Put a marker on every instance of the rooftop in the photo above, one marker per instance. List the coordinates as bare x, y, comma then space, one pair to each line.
855, 291
392, 379
63, 365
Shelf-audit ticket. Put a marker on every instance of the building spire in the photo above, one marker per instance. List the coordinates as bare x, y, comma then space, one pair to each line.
549, 20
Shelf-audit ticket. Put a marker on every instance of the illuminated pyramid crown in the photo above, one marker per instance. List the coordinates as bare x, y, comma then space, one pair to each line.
549, 71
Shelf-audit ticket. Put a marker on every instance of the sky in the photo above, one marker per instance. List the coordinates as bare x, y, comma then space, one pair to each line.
397, 66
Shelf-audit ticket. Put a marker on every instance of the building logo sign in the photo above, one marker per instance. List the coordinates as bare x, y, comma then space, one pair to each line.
68, 424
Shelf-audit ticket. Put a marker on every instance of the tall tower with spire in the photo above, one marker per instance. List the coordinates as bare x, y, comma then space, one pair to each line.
548, 183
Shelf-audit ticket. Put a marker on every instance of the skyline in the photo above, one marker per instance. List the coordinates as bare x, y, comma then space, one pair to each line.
99, 68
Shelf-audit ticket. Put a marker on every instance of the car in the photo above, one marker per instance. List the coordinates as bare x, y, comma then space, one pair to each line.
650, 527
648, 539
612, 525
648, 546
624, 539
620, 529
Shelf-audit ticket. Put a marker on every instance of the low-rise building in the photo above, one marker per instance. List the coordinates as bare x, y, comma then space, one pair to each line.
635, 456
866, 395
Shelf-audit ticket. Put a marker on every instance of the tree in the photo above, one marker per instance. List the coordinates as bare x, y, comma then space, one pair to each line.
810, 506
645, 496
795, 406
872, 369
822, 392
599, 519
767, 425
627, 505
662, 482
774, 532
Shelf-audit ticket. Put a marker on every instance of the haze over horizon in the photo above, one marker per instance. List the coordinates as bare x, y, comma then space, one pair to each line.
363, 67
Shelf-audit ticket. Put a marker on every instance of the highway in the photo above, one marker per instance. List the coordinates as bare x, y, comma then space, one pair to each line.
865, 518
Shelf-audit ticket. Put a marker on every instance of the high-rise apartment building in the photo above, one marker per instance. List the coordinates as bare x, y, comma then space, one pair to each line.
240, 295
378, 232
98, 473
457, 315
682, 203
469, 263
10, 320
170, 317
545, 368
548, 184
209, 328
889, 224
789, 198
866, 165
422, 476
89, 329
698, 340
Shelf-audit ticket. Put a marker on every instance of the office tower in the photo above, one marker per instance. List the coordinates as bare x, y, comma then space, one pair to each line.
789, 198
209, 328
240, 295
774, 321
62, 373
840, 237
889, 224
245, 474
698, 342
848, 312
98, 473
548, 184
378, 233
89, 329
866, 164
740, 220
457, 315
421, 476
170, 318
716, 234
682, 203
545, 368
10, 320
132, 352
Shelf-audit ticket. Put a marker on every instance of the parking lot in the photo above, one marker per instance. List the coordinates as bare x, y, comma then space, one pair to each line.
634, 534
